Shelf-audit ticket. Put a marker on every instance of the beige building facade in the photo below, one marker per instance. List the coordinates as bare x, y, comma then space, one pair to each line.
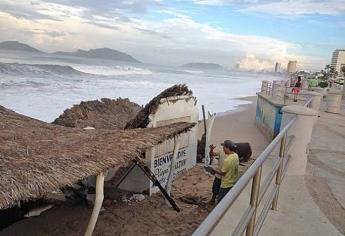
338, 59
292, 67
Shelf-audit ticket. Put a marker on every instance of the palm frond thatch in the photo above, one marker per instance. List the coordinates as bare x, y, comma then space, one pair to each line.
104, 114
142, 118
37, 158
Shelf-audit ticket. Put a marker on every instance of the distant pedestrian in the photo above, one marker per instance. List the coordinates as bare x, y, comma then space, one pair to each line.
296, 89
299, 82
227, 171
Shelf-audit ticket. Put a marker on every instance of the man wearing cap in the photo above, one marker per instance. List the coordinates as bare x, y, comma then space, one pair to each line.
228, 170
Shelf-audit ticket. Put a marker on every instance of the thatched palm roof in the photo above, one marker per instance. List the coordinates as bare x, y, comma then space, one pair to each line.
37, 158
142, 118
100, 114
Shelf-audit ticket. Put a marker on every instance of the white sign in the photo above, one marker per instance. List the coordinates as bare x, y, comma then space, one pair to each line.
160, 166
158, 158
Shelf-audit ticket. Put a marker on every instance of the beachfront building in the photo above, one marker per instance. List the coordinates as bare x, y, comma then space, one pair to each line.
338, 59
292, 67
277, 67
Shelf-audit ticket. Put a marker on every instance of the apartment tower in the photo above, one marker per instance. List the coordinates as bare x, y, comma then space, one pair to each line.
338, 59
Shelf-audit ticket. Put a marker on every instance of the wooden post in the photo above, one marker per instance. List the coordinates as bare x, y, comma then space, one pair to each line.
98, 204
209, 123
204, 118
172, 167
155, 181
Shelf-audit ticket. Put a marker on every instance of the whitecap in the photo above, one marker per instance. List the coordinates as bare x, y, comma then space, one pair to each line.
112, 70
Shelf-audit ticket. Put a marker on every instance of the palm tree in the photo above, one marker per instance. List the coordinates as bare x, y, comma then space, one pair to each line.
328, 73
343, 71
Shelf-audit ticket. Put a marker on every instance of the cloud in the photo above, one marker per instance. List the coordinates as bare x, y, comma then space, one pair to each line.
23, 10
51, 33
210, 2
175, 40
107, 7
283, 7
255, 63
37, 10
304, 7
251, 63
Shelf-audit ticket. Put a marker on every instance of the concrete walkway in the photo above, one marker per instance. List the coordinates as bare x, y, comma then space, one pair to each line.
326, 180
312, 204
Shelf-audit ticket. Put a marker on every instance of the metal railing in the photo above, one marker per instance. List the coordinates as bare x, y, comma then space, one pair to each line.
249, 221
309, 100
302, 97
266, 87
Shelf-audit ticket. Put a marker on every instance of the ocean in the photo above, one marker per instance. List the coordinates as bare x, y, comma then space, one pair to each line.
42, 86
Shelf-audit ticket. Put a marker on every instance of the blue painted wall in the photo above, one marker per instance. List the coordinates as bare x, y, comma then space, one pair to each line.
268, 117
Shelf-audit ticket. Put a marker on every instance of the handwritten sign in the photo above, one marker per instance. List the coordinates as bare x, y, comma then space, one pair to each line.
160, 166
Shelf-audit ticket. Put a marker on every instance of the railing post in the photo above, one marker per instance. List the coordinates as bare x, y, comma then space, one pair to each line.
254, 200
302, 130
279, 171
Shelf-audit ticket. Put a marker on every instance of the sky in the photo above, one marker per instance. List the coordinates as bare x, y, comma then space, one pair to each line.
251, 33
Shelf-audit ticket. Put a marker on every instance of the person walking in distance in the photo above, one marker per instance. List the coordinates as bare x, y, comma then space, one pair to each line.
296, 89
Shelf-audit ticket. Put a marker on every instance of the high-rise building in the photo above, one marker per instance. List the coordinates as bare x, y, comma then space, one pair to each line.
338, 59
292, 67
277, 67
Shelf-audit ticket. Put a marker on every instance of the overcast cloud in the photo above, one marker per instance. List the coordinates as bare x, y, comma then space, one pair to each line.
173, 40
284, 7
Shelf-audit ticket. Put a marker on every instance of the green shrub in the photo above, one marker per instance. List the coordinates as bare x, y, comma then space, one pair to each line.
323, 84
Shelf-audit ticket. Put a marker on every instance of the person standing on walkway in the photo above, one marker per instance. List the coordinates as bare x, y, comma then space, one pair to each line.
297, 88
229, 169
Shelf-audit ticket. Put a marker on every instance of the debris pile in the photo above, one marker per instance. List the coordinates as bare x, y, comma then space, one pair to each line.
38, 158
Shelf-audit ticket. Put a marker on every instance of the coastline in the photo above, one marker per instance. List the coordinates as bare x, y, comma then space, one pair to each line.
153, 216
239, 108
239, 126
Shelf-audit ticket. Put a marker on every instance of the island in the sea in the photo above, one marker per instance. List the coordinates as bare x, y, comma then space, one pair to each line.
202, 65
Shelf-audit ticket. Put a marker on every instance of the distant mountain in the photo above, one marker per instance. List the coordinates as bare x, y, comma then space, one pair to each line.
101, 53
200, 65
17, 46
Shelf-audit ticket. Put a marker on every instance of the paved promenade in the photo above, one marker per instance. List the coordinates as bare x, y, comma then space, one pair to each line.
313, 204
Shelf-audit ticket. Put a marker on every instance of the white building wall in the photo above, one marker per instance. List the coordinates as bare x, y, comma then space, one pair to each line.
338, 59
171, 110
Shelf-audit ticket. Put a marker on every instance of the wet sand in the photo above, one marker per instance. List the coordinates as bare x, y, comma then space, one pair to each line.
152, 216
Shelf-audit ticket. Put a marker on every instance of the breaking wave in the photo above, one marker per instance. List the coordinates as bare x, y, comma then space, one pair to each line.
37, 69
11, 84
194, 71
62, 70
112, 70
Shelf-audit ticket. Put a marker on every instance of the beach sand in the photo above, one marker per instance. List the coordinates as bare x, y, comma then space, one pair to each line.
152, 216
